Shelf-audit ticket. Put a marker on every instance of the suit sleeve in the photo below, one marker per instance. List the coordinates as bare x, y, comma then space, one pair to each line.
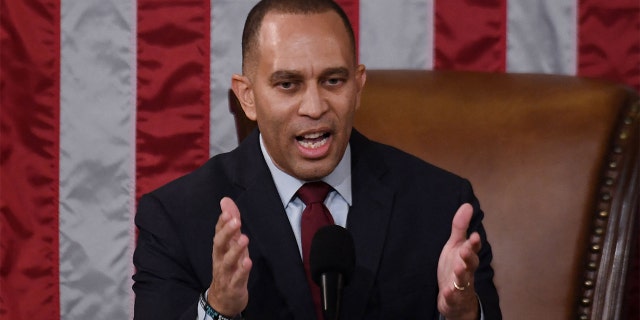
165, 285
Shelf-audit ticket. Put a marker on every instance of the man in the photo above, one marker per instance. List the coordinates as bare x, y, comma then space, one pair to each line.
421, 250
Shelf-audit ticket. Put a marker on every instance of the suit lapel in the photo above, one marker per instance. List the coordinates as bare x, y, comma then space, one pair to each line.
367, 222
268, 226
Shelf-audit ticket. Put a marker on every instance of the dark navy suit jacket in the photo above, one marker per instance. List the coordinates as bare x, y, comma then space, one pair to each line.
400, 220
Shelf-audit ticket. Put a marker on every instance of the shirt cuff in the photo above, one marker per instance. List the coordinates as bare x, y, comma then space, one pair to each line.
202, 314
441, 317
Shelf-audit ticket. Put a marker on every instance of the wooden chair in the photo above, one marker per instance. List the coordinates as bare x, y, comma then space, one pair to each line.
555, 162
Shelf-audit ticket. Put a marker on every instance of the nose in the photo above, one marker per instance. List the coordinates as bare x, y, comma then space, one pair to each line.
313, 105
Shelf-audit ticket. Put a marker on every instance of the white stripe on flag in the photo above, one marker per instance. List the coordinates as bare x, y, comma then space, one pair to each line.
542, 36
97, 146
396, 34
227, 21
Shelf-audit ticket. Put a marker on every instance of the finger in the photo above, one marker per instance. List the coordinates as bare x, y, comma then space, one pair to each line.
462, 277
228, 205
227, 231
475, 243
461, 271
228, 210
465, 266
460, 223
469, 252
237, 251
240, 276
470, 259
222, 220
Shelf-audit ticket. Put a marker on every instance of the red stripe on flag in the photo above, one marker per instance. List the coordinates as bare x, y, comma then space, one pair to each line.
470, 35
609, 40
29, 148
172, 135
352, 9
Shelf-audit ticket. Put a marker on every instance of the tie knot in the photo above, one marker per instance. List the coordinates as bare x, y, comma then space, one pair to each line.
313, 192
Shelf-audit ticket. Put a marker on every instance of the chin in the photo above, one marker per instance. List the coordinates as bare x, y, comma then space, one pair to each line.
314, 172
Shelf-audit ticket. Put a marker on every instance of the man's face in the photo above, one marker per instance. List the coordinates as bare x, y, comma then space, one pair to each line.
303, 91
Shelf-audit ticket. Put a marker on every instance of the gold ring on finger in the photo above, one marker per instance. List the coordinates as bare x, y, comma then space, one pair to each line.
460, 288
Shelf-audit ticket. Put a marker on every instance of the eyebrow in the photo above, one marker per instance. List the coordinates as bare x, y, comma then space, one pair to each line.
339, 71
285, 75
289, 75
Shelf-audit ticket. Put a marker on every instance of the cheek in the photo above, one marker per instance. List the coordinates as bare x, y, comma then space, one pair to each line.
277, 115
273, 127
345, 111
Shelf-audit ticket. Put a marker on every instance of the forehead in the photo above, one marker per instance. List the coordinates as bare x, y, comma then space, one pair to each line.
314, 36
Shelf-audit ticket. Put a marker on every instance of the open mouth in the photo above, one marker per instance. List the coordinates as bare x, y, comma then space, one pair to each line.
313, 140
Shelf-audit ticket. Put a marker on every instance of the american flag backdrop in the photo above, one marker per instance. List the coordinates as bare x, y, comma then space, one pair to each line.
104, 100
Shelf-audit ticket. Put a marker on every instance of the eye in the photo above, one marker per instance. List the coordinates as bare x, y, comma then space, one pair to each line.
334, 81
286, 85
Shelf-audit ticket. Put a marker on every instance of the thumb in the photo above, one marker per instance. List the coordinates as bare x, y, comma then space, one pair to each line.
229, 206
460, 223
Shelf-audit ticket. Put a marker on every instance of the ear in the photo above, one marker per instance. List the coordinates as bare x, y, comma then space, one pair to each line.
361, 78
241, 86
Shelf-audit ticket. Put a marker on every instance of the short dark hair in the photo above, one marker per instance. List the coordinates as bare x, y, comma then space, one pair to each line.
256, 15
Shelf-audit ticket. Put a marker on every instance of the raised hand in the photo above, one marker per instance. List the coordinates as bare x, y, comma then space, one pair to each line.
228, 292
456, 267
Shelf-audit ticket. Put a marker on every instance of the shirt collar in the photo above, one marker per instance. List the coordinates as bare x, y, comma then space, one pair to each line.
339, 179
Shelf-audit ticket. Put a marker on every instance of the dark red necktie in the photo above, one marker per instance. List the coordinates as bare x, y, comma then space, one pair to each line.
315, 216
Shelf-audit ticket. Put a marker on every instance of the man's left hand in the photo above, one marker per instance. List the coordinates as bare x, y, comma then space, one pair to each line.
456, 267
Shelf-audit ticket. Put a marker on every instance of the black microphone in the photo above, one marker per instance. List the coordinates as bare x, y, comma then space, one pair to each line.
332, 259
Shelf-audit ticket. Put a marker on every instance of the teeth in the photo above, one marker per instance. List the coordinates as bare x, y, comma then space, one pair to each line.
314, 144
312, 141
313, 135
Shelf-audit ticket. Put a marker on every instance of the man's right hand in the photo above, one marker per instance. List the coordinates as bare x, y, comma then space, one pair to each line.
228, 293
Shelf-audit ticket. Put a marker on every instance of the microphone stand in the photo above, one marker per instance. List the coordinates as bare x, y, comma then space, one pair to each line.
332, 284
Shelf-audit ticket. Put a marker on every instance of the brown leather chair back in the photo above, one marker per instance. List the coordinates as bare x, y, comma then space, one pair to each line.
554, 161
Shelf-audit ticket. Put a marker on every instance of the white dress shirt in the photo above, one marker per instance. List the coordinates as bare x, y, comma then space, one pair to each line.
338, 200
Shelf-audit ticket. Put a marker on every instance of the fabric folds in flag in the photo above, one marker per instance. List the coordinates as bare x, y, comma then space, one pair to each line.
102, 101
